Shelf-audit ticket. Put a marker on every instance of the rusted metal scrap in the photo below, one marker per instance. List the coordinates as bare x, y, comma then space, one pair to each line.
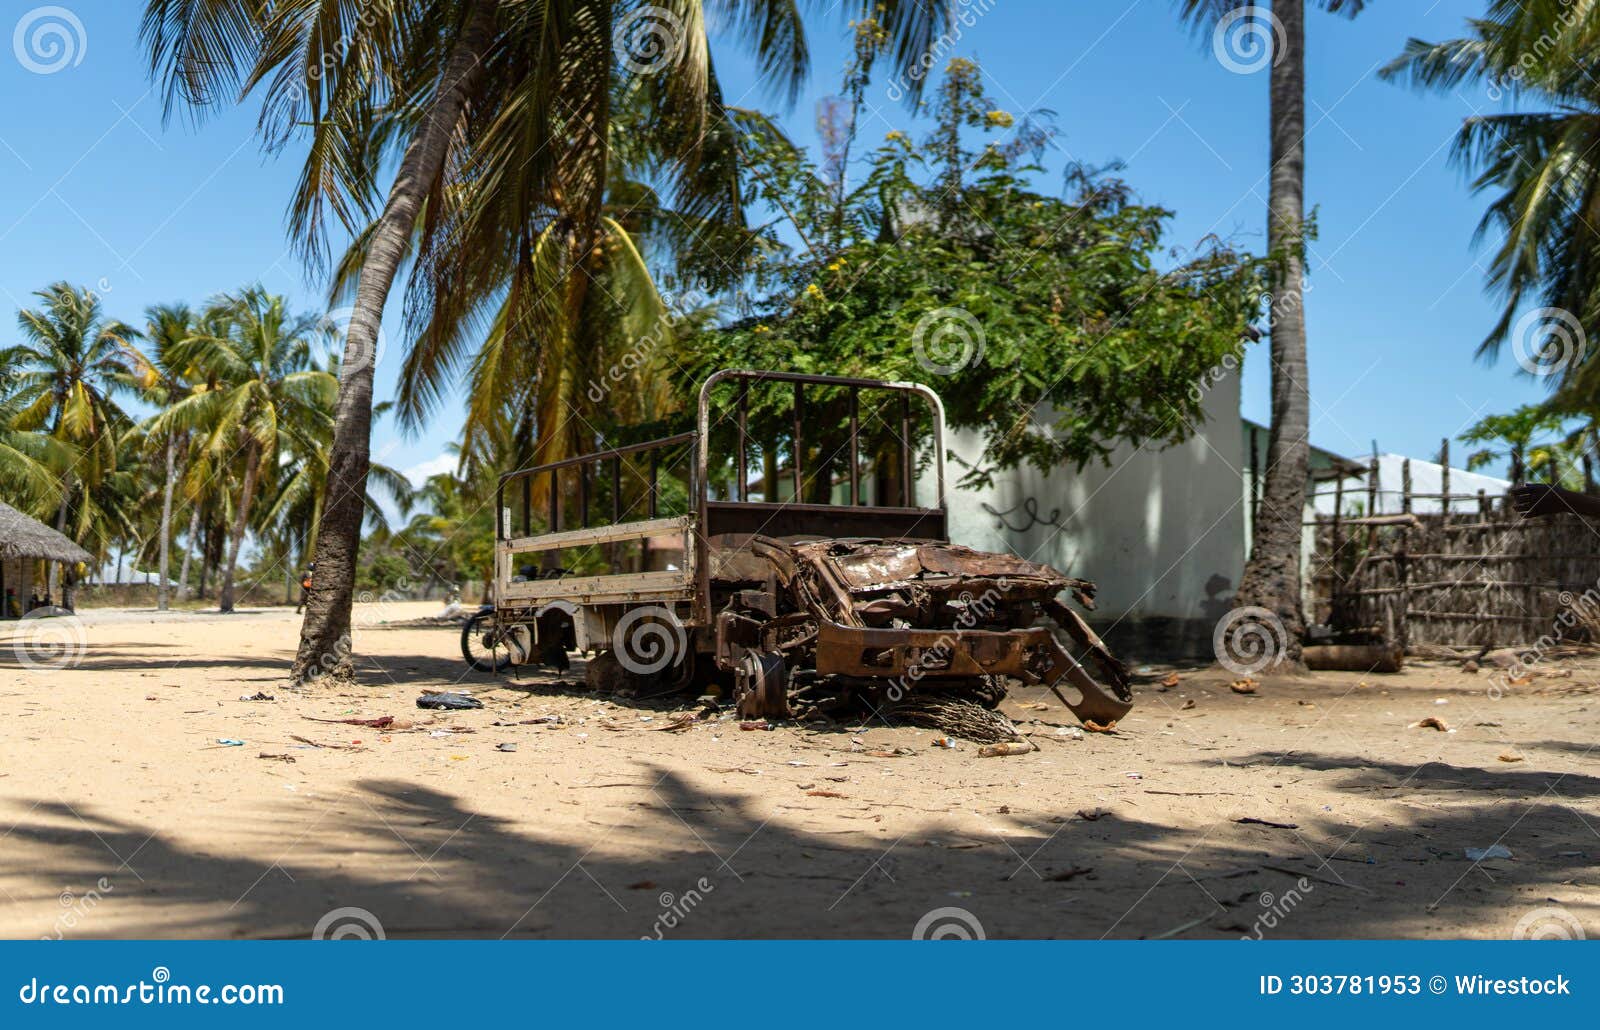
906, 616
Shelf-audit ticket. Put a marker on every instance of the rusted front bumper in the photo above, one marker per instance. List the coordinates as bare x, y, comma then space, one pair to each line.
909, 656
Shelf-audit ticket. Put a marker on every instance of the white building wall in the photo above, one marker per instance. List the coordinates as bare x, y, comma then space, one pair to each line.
1161, 532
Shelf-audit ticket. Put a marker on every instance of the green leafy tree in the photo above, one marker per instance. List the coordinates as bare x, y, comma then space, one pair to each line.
1043, 322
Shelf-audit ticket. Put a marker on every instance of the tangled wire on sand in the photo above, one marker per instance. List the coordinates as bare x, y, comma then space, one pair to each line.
955, 716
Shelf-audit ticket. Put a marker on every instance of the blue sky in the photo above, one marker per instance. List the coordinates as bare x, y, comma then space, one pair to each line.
98, 191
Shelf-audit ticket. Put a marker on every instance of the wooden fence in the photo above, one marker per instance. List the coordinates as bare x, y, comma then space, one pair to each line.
1468, 575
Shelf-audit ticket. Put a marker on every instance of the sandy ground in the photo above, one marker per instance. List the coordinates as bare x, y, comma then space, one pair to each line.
123, 816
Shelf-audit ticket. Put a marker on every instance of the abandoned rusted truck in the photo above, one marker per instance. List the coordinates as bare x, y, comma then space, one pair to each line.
795, 544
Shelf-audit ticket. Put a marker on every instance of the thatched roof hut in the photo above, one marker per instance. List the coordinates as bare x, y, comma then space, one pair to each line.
22, 537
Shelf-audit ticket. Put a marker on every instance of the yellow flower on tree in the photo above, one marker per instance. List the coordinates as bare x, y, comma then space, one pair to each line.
1002, 119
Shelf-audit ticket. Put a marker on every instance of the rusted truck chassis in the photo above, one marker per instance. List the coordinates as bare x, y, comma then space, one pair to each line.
767, 593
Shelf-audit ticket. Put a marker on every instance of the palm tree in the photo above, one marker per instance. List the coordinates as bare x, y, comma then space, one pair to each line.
267, 399
64, 377
1271, 577
163, 381
339, 68
1543, 167
30, 462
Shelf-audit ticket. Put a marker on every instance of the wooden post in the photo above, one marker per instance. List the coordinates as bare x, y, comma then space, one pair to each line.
1446, 541
1402, 558
1444, 480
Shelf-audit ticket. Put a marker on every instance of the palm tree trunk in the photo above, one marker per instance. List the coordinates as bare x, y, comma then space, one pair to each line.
1272, 576
241, 519
188, 549
165, 554
324, 636
53, 572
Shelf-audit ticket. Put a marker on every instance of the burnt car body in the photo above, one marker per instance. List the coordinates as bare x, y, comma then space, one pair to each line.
797, 535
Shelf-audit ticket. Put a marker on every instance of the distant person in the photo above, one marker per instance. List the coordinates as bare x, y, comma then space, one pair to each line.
305, 586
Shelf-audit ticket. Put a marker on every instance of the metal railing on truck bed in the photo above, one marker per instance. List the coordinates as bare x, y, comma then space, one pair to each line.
638, 552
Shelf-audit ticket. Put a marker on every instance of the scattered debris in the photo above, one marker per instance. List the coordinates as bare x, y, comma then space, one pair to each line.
825, 794
1509, 756
1244, 686
334, 747
542, 720
953, 716
505, 747
1095, 727
381, 723
277, 758
1309, 875
1251, 820
448, 702
1015, 747
1469, 666
1432, 722
944, 742
1493, 851
1181, 927
1186, 705
1068, 874
260, 695
1171, 681
230, 742
756, 724
1366, 658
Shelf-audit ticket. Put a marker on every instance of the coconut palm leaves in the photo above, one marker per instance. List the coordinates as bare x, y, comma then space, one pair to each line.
260, 398
66, 373
513, 99
1541, 167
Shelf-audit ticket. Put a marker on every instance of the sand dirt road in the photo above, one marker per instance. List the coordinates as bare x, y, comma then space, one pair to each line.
122, 816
